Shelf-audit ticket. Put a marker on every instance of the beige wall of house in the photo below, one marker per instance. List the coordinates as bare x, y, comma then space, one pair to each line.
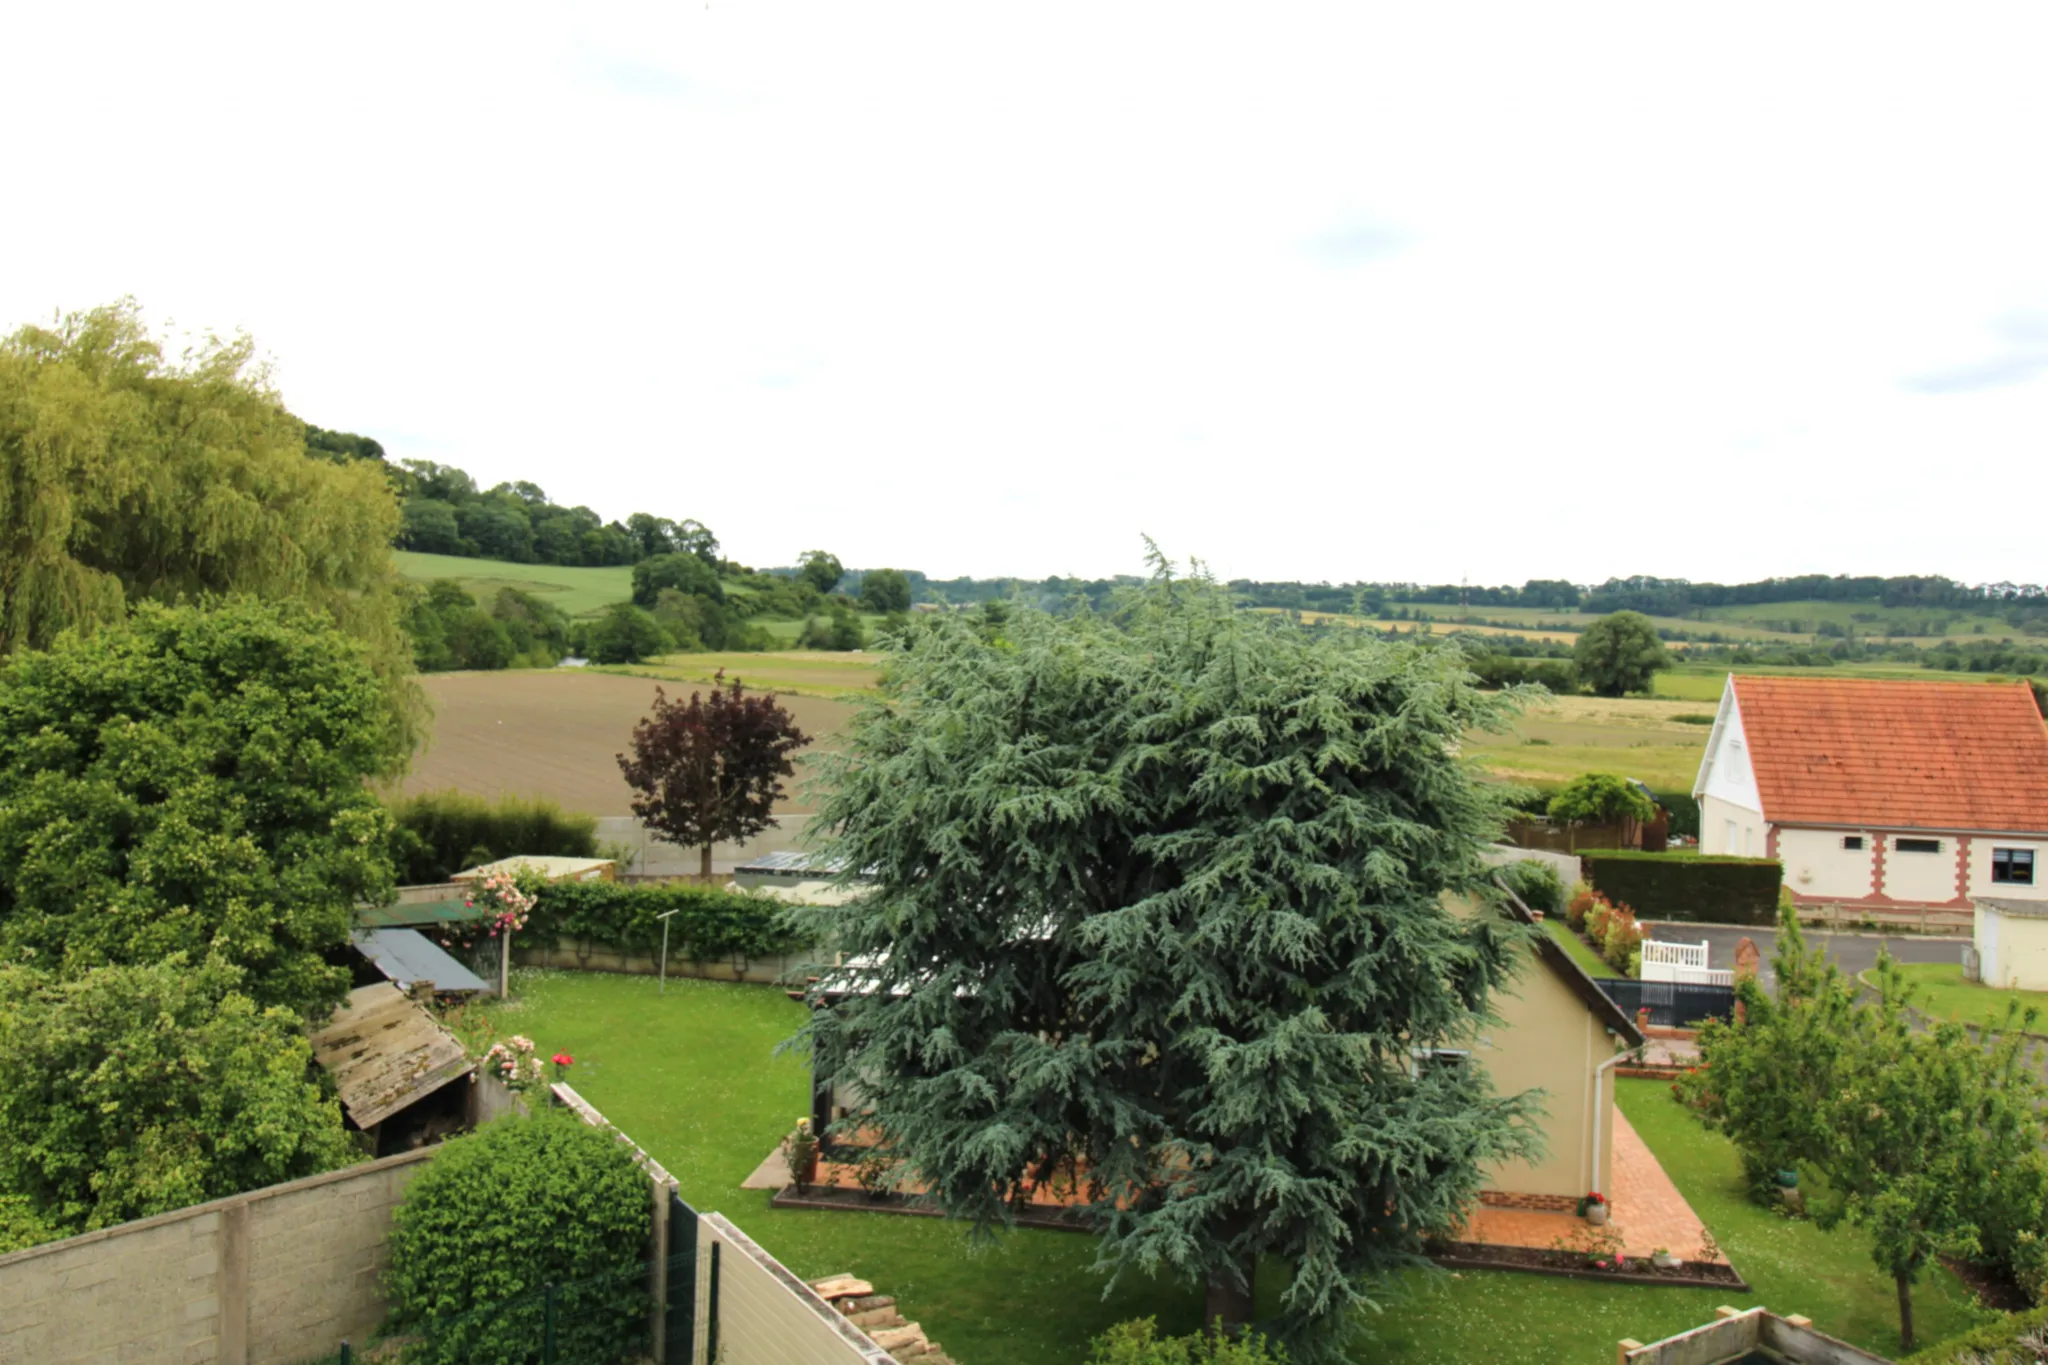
1816, 864
1920, 876
1728, 828
1547, 1039
1980, 868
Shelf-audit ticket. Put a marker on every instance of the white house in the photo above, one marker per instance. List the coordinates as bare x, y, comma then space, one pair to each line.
1881, 794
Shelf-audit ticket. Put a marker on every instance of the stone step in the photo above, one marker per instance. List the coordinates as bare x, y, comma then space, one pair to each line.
864, 1303
876, 1318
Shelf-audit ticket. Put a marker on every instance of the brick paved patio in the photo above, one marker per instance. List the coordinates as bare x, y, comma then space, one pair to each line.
1648, 1211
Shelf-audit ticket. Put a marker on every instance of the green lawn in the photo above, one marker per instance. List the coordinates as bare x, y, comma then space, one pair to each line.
1939, 989
577, 591
1576, 947
693, 1077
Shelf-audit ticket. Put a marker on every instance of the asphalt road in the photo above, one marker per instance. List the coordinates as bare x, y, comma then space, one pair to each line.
1852, 952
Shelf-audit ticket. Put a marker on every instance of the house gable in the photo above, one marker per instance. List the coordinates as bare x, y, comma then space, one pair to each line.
1726, 772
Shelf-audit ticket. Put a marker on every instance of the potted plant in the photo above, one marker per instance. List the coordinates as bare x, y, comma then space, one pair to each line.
800, 1148
1664, 1260
1593, 1208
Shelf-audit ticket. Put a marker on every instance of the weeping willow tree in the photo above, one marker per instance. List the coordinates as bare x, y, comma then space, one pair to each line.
1158, 907
128, 476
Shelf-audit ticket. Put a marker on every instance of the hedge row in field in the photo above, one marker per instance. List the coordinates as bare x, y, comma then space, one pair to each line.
1688, 886
714, 923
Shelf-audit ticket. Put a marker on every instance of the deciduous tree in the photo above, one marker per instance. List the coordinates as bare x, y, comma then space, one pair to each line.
133, 1090
821, 570
885, 591
1601, 796
1620, 653
1158, 903
711, 770
194, 782
126, 476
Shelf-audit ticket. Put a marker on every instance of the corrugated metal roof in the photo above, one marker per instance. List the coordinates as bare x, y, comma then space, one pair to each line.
1898, 755
550, 866
791, 861
454, 911
386, 1052
407, 955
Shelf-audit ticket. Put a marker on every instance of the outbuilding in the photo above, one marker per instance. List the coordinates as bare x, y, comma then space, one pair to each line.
1879, 794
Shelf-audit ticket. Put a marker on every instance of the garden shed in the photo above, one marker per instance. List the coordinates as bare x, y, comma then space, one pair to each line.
395, 1068
2011, 937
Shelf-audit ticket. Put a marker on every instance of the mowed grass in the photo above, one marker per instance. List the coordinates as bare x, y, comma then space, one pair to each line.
1939, 990
1575, 947
694, 1077
577, 591
814, 673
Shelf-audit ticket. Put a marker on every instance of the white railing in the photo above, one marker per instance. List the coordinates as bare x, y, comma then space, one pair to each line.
1684, 963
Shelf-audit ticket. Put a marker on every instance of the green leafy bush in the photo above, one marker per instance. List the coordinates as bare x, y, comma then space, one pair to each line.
714, 923
1537, 883
133, 1091
440, 833
499, 1215
1601, 797
2015, 1339
1690, 887
1139, 1343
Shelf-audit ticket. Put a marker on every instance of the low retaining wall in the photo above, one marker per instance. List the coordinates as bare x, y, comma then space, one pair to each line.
593, 957
272, 1277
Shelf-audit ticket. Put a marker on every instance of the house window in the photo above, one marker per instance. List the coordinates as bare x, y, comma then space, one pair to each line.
2013, 866
1916, 845
1853, 842
1440, 1058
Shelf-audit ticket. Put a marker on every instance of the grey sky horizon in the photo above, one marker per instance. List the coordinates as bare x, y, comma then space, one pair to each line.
1311, 292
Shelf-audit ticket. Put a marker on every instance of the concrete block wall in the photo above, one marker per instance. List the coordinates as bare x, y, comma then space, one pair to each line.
766, 1315
271, 1277
587, 957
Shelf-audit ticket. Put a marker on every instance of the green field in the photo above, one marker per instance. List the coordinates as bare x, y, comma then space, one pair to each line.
1552, 619
813, 673
695, 1078
1558, 739
577, 591
1865, 618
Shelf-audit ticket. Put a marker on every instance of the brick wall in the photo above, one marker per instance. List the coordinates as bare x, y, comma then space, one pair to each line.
266, 1278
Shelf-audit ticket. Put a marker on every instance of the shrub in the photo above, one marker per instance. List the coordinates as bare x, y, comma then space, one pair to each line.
714, 923
2014, 1339
1689, 886
502, 1213
1138, 1343
1601, 797
1579, 905
1537, 883
1621, 940
440, 833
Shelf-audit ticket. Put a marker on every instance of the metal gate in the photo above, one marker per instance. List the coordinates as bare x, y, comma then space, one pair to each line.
1672, 1004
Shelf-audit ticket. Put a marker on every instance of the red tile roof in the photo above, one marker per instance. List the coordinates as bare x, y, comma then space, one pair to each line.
1839, 751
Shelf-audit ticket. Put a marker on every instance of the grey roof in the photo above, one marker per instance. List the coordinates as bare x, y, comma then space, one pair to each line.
790, 862
407, 955
385, 1052
2006, 906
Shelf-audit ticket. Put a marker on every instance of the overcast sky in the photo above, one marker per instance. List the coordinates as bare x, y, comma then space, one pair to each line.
1387, 292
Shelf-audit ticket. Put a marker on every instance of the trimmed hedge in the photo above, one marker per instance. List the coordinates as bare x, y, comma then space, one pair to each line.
442, 832
715, 923
1994, 1343
1688, 886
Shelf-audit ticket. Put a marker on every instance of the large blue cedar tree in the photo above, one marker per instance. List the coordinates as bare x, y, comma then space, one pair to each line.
1160, 901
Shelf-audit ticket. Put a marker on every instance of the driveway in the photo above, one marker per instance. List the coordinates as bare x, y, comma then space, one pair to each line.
1852, 952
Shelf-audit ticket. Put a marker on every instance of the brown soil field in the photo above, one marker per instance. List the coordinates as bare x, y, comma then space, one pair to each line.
557, 735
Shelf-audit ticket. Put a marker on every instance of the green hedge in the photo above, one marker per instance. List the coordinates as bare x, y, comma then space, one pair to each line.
1995, 1343
440, 833
1688, 886
715, 923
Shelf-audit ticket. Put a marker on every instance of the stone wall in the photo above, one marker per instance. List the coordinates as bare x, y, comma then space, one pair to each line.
271, 1277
